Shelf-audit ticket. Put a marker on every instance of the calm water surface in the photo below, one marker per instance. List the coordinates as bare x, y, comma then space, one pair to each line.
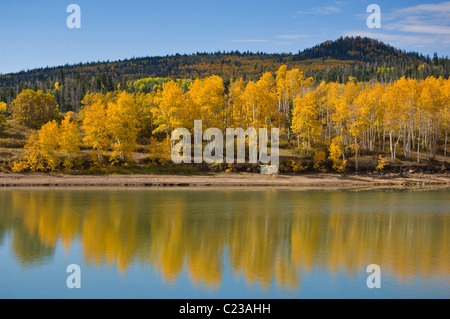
172, 243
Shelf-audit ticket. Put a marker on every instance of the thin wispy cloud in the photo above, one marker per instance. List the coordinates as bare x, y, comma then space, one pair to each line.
413, 26
443, 7
250, 41
422, 28
292, 36
261, 41
321, 10
433, 18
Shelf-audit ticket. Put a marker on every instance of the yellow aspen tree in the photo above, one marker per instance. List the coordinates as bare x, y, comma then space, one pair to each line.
49, 144
340, 113
3, 107
446, 114
394, 116
69, 139
336, 154
297, 84
169, 111
411, 106
266, 105
95, 129
41, 150
290, 84
431, 103
123, 126
144, 104
356, 122
319, 159
206, 100
251, 103
282, 90
371, 113
332, 96
31, 160
305, 121
236, 101
405, 94
325, 111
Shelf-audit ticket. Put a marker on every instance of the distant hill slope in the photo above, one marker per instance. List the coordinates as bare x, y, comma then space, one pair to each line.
359, 49
363, 58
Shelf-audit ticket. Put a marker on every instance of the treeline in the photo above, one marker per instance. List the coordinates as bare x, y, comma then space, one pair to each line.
330, 121
333, 61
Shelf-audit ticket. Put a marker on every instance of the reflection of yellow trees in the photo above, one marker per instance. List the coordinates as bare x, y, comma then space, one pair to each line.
108, 231
259, 246
47, 217
267, 236
168, 248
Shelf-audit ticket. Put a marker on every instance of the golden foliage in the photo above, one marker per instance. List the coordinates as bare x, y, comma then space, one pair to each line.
347, 118
319, 159
46, 148
3, 107
336, 155
381, 163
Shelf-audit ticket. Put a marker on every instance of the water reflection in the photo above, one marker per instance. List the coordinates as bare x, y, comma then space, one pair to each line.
269, 237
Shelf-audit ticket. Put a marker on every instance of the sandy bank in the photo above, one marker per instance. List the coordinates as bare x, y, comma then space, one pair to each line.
222, 180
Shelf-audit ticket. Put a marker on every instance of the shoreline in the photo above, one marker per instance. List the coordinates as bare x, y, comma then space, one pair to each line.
224, 180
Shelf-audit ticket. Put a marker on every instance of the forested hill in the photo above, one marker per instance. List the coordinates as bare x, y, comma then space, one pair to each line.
359, 49
363, 58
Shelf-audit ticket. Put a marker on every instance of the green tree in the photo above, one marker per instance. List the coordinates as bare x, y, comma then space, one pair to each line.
3, 124
34, 109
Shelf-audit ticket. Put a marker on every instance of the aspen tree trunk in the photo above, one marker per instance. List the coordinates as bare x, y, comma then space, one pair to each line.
418, 148
309, 139
356, 155
390, 144
405, 143
395, 147
445, 148
436, 137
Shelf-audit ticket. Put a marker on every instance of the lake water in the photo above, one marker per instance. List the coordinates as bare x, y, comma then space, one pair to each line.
185, 243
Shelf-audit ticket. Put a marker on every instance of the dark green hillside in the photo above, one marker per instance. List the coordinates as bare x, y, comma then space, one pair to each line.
363, 58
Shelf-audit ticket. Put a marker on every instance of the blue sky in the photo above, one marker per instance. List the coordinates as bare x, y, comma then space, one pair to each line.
34, 33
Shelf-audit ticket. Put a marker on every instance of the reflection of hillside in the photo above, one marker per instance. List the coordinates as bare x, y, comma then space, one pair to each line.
268, 236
